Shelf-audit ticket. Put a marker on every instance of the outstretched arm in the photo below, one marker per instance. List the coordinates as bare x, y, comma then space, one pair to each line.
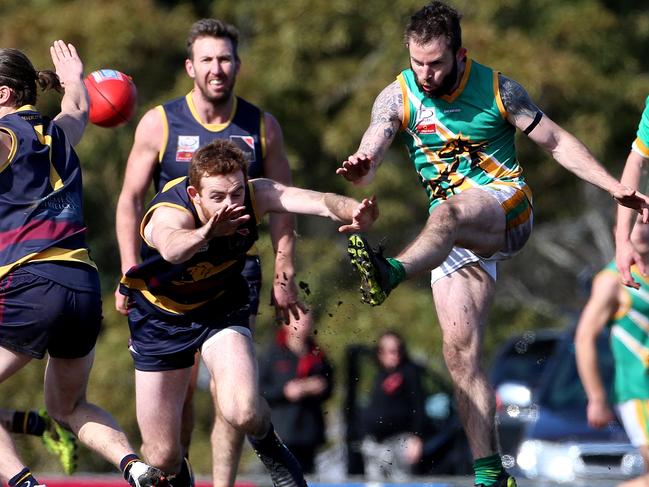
565, 148
273, 197
387, 113
74, 104
601, 306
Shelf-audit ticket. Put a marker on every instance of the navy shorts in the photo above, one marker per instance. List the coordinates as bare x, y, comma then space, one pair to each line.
252, 273
160, 342
38, 315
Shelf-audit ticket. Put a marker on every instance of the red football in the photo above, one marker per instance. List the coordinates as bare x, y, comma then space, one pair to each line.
113, 97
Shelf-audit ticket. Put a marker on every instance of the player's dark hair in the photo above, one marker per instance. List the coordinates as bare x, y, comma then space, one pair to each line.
18, 73
212, 28
219, 157
432, 21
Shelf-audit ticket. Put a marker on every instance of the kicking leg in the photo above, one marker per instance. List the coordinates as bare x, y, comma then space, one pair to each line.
473, 219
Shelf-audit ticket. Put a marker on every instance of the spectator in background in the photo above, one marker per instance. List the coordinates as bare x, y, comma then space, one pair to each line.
296, 378
395, 417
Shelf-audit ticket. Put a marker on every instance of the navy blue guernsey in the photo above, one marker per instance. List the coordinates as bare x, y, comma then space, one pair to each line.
210, 281
184, 134
41, 211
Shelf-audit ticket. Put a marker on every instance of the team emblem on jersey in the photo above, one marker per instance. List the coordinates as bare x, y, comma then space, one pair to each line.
425, 122
187, 145
247, 144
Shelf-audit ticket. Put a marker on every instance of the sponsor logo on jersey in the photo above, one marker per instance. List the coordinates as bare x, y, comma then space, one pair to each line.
247, 145
187, 145
425, 122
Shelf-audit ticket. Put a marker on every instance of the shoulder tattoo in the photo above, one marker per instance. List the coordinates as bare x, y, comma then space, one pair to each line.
515, 99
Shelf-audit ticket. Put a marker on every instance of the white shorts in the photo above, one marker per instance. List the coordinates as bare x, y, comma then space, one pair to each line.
635, 419
518, 230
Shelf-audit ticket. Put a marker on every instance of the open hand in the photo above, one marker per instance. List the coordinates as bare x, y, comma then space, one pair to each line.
626, 256
355, 168
67, 62
226, 221
631, 198
363, 217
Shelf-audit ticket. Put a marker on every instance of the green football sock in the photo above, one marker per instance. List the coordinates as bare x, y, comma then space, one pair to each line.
487, 470
397, 272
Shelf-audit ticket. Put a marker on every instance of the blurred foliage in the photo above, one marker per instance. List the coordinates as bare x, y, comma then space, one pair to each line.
317, 65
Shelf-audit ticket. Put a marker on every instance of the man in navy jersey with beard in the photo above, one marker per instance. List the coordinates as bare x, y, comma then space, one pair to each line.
166, 138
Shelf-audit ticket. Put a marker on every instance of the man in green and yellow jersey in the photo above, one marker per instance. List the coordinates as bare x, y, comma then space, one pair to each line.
458, 120
626, 311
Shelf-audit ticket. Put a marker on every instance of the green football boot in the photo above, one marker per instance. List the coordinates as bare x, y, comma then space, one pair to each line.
373, 269
60, 442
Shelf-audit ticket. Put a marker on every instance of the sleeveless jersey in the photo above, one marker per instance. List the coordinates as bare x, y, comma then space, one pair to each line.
41, 209
630, 340
211, 278
184, 134
641, 142
462, 140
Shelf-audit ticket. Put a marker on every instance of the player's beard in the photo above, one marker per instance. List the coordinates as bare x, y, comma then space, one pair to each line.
220, 98
448, 83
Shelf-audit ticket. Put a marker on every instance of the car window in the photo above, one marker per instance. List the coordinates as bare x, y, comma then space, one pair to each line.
562, 387
523, 361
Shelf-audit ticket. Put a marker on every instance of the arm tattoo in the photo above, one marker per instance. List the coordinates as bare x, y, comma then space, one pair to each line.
516, 100
384, 122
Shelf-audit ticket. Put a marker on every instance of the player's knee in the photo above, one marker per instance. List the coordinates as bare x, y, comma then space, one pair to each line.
461, 361
448, 214
244, 418
62, 410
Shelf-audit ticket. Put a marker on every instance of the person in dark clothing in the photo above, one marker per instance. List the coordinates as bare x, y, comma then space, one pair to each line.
296, 378
395, 417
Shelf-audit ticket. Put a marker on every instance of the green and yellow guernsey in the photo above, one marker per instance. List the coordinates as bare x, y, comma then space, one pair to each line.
462, 140
630, 340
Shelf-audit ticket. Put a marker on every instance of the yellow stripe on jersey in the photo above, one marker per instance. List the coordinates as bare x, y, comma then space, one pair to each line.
55, 180
465, 79
172, 183
262, 135
165, 132
212, 127
639, 147
406, 106
52, 254
641, 415
162, 302
499, 100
